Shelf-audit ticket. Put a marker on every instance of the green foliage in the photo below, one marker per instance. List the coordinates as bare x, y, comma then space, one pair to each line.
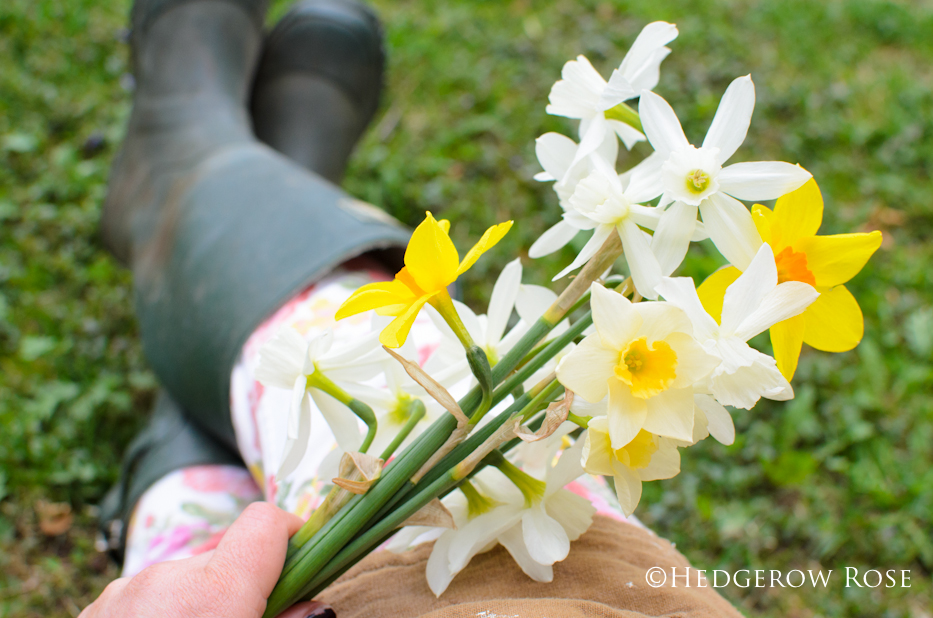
841, 476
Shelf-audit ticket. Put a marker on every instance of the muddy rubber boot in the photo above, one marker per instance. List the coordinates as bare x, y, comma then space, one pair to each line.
323, 54
219, 229
169, 442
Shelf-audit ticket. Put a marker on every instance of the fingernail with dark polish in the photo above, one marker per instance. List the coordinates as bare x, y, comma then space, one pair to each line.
322, 612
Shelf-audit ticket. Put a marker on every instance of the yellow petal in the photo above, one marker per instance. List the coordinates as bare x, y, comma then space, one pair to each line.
835, 259
834, 321
374, 296
431, 257
764, 219
395, 334
713, 290
797, 215
445, 225
786, 339
487, 242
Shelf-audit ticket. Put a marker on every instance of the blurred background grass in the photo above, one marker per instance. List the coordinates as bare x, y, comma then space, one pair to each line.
841, 476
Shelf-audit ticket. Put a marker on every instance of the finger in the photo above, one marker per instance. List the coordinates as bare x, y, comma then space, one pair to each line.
310, 609
251, 554
113, 590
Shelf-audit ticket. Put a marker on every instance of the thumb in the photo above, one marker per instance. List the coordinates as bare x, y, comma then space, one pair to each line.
252, 552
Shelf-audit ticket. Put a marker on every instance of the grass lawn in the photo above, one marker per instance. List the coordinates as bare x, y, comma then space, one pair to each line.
841, 476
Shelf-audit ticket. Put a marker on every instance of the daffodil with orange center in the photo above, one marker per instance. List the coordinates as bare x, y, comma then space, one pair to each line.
431, 264
833, 323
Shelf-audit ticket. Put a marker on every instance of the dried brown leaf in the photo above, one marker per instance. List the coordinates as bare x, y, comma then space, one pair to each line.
432, 386
433, 514
554, 417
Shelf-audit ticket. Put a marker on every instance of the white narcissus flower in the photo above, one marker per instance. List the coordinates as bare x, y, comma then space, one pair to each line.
646, 458
644, 357
288, 361
584, 94
752, 304
608, 204
695, 179
536, 524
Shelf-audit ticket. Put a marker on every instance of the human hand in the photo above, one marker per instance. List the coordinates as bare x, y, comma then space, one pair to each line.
232, 581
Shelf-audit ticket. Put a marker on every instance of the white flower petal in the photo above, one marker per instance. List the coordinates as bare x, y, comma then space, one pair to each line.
729, 225
514, 542
664, 464
616, 319
693, 362
567, 469
730, 125
642, 263
628, 488
600, 234
626, 414
555, 238
743, 388
545, 538
661, 319
297, 443
745, 294
555, 153
671, 238
641, 65
761, 180
502, 300
577, 94
785, 301
681, 292
592, 136
628, 134
533, 301
342, 422
438, 569
575, 513
662, 128
587, 369
719, 421
282, 358
670, 414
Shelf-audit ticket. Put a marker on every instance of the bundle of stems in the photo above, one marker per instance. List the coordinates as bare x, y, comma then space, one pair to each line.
348, 526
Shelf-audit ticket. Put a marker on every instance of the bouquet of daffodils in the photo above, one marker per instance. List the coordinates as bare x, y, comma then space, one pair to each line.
610, 378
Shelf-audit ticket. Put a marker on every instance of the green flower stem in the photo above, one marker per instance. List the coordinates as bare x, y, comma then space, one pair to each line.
624, 113
479, 365
580, 421
532, 489
416, 412
351, 519
445, 306
321, 382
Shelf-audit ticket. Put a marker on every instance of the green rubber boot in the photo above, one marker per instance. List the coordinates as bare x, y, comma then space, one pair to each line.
323, 54
219, 229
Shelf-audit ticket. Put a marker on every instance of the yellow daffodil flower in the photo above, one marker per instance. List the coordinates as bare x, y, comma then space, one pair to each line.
431, 264
833, 323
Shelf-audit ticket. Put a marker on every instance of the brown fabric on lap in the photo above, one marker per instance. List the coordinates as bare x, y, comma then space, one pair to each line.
592, 581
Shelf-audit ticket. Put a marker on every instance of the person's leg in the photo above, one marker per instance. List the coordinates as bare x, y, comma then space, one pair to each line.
171, 213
